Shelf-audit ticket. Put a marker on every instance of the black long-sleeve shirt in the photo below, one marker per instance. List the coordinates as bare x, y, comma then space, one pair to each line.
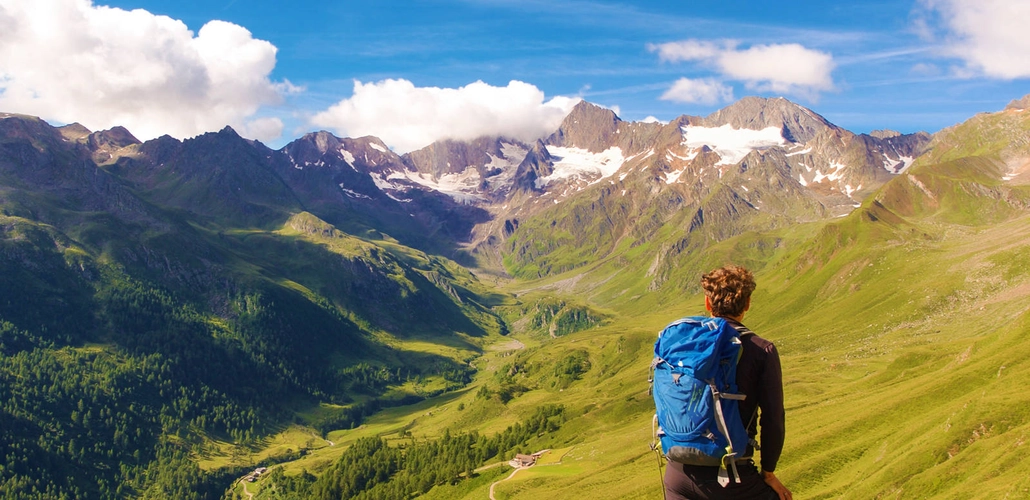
760, 379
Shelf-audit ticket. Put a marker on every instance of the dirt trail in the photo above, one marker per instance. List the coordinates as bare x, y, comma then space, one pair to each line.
502, 480
495, 483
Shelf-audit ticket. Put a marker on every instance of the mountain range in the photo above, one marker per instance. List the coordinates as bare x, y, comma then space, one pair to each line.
197, 297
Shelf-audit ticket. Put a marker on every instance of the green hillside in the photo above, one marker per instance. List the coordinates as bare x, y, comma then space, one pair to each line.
902, 330
139, 339
161, 336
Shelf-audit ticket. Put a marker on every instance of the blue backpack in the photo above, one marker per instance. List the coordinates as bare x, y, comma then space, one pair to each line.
694, 384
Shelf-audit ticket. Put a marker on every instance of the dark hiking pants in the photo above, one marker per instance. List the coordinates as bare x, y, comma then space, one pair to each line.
695, 482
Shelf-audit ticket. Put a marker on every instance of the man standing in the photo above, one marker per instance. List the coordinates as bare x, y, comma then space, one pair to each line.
728, 295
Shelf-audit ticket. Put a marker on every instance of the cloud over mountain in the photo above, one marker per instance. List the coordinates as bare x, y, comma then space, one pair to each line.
408, 117
988, 35
70, 60
782, 68
701, 90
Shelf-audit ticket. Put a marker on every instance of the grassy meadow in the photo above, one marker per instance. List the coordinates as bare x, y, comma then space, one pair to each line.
904, 346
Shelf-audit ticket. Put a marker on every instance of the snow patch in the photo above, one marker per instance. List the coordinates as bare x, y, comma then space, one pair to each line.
732, 144
354, 194
803, 151
582, 164
802, 180
691, 154
347, 157
907, 161
671, 177
386, 186
834, 174
377, 147
897, 166
457, 186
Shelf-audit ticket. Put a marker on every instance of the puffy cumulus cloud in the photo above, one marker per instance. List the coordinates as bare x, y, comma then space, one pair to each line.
69, 60
783, 68
408, 117
702, 91
988, 35
787, 68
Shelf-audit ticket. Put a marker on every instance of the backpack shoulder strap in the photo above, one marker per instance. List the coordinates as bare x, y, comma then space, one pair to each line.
741, 329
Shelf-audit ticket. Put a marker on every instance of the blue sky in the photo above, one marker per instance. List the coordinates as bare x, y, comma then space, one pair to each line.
864, 65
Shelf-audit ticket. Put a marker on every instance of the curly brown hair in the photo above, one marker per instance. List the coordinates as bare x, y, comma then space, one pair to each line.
729, 290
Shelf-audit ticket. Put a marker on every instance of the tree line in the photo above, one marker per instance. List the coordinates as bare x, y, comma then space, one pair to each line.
373, 469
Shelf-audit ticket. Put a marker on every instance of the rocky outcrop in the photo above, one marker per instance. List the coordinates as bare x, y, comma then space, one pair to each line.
1018, 104
537, 163
798, 123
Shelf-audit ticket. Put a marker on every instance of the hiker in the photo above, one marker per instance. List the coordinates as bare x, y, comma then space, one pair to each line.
728, 296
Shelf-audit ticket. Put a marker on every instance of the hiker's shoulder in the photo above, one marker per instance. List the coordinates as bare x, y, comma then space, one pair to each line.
752, 340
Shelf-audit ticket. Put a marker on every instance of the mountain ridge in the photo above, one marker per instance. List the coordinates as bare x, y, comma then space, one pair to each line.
212, 293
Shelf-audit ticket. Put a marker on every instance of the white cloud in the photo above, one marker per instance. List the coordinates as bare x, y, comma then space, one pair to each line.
69, 60
703, 91
690, 50
408, 117
988, 35
783, 68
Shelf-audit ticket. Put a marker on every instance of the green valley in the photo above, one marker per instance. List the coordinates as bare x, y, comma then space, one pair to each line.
162, 335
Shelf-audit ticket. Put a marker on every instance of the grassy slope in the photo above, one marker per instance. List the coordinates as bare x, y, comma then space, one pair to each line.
921, 397
903, 345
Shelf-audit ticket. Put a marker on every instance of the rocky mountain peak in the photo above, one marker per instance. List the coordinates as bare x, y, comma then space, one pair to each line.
1017, 104
798, 123
117, 137
322, 141
228, 131
451, 157
884, 134
587, 126
74, 131
106, 144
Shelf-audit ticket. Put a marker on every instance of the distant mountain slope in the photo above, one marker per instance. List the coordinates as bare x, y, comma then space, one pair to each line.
901, 326
158, 297
180, 294
696, 181
477, 193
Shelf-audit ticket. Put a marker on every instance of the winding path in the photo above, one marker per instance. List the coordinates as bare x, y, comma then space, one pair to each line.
502, 480
539, 453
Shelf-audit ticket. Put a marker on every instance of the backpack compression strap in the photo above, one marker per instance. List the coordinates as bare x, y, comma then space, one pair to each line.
731, 454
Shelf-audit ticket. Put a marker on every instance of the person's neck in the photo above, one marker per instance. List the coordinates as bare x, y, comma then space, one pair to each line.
738, 319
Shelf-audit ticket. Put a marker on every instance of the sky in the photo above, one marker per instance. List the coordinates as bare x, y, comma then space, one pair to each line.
413, 72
